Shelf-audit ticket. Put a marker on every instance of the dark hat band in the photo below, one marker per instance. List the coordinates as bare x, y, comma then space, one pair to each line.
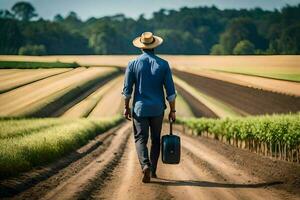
147, 42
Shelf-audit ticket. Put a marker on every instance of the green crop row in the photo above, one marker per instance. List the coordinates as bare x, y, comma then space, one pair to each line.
35, 65
274, 129
11, 128
22, 152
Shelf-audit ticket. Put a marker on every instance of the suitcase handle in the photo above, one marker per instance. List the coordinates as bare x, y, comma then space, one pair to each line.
171, 127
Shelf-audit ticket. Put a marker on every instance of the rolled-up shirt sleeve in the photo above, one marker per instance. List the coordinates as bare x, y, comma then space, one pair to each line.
128, 82
169, 85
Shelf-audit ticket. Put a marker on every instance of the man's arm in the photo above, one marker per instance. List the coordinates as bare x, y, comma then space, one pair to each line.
127, 90
171, 93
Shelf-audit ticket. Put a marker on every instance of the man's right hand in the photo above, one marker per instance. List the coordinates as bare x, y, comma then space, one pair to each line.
127, 114
172, 116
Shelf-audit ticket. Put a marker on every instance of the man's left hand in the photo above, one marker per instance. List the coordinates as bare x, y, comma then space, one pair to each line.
127, 114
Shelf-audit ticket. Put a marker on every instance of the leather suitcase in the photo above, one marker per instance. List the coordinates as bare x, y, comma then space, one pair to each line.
170, 148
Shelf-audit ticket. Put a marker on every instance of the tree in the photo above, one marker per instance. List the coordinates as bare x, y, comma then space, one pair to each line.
244, 47
33, 50
104, 39
24, 11
58, 18
11, 37
6, 14
55, 38
179, 42
217, 49
199, 30
289, 41
241, 29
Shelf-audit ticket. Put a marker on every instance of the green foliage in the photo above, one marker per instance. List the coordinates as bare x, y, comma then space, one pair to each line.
33, 50
12, 128
178, 42
240, 29
283, 129
24, 11
289, 42
24, 149
11, 37
201, 30
217, 49
35, 65
244, 47
55, 37
104, 39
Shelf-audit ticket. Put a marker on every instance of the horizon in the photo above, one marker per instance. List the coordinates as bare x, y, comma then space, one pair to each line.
86, 10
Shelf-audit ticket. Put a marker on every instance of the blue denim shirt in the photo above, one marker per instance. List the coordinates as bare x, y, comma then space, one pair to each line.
150, 75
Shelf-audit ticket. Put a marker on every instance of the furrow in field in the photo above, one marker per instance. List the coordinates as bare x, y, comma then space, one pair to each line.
198, 108
216, 106
183, 109
66, 102
12, 98
84, 107
19, 74
249, 100
280, 86
27, 98
28, 77
110, 104
5, 72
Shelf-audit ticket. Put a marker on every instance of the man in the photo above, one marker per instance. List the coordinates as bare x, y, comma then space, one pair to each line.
149, 74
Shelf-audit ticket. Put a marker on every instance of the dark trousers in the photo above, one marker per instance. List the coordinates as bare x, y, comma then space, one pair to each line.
141, 127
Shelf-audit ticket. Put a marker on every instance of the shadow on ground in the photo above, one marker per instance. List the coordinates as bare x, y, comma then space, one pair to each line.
168, 182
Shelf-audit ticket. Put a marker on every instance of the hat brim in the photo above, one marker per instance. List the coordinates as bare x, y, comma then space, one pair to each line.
137, 43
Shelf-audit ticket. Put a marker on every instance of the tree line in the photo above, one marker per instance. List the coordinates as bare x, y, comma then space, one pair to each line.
199, 30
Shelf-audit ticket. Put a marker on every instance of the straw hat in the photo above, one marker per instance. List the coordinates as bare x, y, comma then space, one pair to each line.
147, 41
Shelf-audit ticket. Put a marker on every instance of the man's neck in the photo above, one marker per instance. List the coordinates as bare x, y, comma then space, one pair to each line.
148, 51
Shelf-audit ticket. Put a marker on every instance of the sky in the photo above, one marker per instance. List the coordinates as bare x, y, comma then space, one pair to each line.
133, 8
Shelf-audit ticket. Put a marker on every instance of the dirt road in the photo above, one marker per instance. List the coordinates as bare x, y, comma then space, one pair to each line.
208, 170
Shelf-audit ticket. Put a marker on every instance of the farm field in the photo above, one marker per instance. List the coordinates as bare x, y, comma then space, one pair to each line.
23, 77
62, 137
279, 86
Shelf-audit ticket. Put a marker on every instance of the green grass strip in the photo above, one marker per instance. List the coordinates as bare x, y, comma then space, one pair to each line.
18, 128
21, 154
295, 77
35, 65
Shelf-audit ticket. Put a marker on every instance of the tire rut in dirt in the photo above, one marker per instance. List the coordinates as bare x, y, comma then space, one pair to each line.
214, 159
187, 181
104, 175
235, 189
37, 182
126, 181
82, 182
